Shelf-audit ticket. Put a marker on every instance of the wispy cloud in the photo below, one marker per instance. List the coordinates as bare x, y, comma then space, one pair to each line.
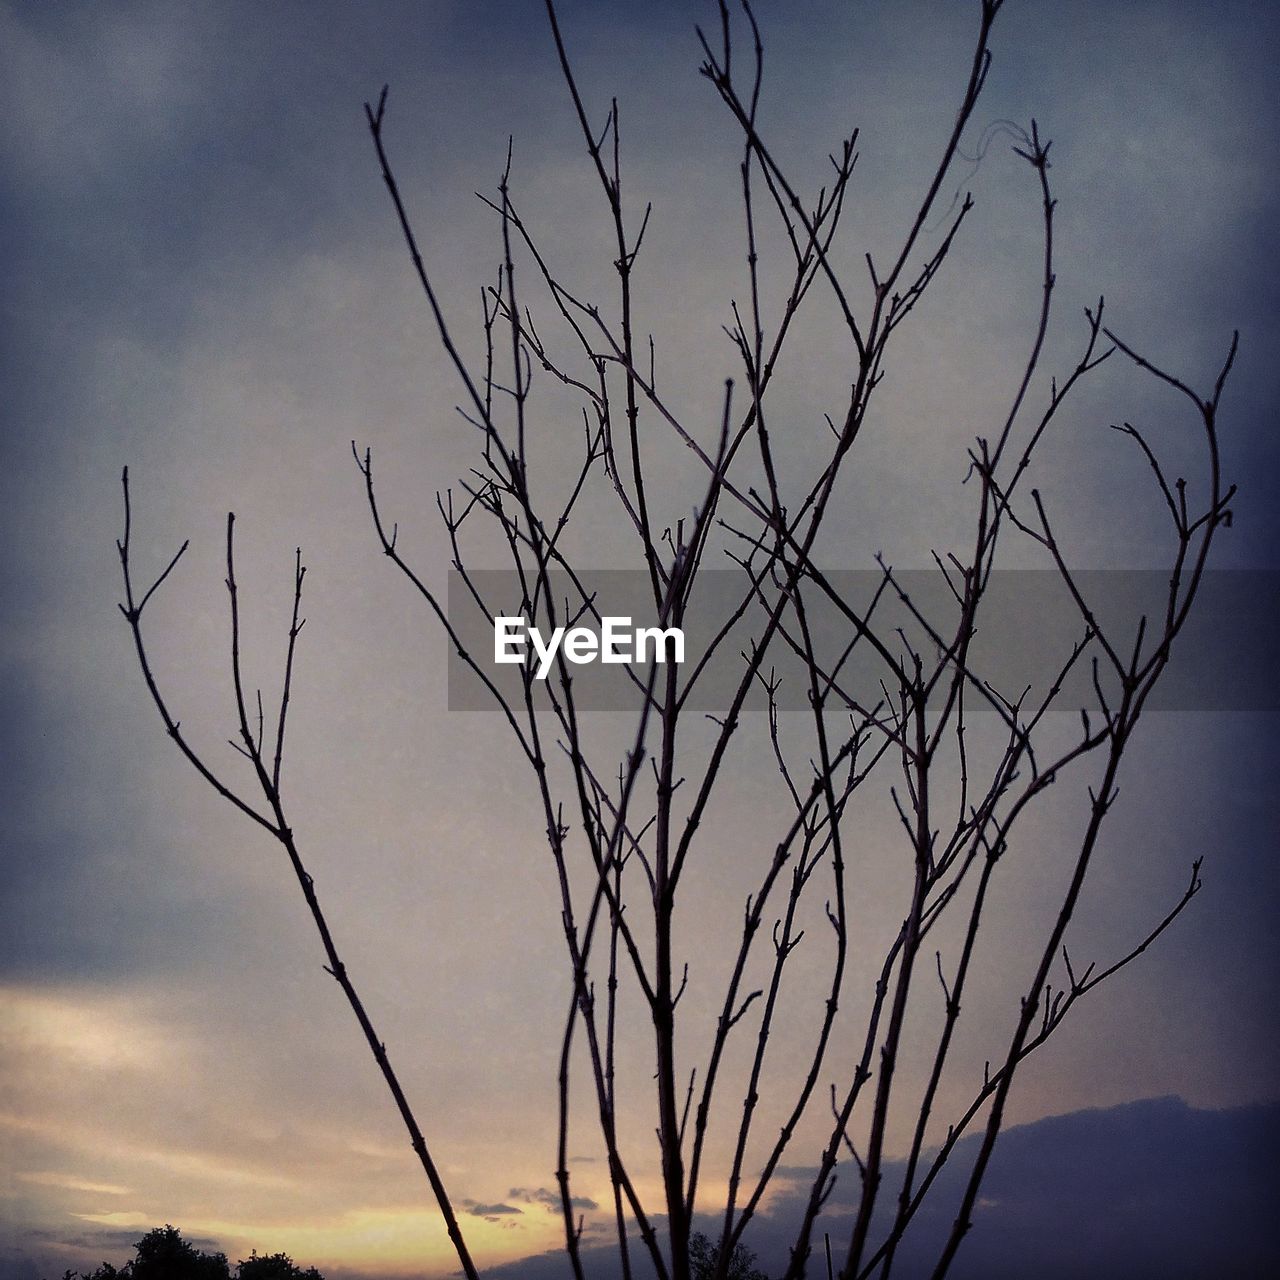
70, 1182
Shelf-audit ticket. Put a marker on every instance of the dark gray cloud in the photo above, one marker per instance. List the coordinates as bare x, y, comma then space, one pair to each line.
1150, 1189
1147, 1190
550, 1199
490, 1210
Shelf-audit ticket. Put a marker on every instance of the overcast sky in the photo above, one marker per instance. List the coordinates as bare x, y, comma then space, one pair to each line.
204, 281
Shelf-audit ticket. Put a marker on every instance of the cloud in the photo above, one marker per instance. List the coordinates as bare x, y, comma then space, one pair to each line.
69, 1182
551, 1199
78, 1033
123, 1219
1149, 1189
489, 1210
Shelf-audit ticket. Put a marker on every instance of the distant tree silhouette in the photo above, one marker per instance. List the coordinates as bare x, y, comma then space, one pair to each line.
704, 1258
162, 1254
274, 1266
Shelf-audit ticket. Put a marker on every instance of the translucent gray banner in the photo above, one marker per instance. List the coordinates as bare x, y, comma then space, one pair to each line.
1226, 658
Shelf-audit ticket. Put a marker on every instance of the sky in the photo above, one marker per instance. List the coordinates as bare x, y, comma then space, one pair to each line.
205, 282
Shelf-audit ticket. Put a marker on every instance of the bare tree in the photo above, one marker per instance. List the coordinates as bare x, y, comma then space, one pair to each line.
625, 828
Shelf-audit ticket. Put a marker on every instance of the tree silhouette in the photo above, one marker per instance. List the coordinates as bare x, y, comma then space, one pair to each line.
960, 759
704, 1259
162, 1254
274, 1266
